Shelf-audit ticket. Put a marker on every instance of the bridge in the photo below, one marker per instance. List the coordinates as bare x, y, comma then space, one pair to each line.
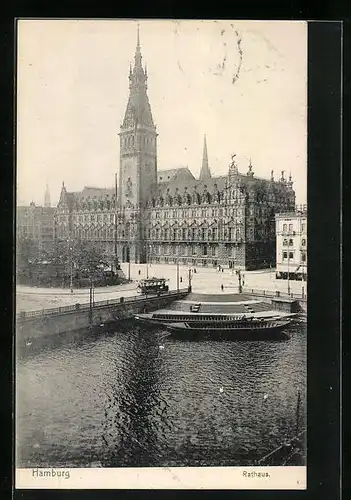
45, 322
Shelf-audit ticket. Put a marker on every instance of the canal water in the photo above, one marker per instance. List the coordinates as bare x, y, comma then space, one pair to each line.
134, 398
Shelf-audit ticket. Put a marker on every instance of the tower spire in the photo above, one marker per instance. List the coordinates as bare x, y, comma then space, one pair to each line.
138, 110
205, 170
137, 57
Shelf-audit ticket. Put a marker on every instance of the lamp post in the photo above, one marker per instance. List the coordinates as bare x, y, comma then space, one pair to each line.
177, 275
91, 300
70, 248
128, 256
289, 270
238, 272
71, 276
147, 261
148, 253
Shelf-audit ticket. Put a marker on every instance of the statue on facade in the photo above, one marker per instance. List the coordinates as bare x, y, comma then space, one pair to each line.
129, 185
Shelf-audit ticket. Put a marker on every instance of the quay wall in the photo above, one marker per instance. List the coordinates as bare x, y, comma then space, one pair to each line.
281, 301
47, 322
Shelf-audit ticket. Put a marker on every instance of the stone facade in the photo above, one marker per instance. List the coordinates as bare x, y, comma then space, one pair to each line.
291, 231
168, 216
37, 223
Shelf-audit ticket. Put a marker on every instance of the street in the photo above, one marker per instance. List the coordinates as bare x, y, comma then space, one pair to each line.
205, 280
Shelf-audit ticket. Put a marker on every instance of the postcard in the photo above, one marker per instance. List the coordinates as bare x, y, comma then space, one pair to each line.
161, 267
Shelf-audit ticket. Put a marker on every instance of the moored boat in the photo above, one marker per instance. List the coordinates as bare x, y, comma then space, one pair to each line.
233, 316
216, 319
243, 326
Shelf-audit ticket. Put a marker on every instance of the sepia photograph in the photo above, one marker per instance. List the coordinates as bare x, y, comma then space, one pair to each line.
161, 254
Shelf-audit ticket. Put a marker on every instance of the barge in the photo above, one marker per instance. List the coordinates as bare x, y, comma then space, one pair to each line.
231, 316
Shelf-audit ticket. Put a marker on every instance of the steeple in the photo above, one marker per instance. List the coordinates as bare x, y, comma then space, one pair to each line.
137, 57
250, 172
205, 170
138, 140
138, 110
47, 202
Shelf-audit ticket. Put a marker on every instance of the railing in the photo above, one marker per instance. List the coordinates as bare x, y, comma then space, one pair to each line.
97, 305
275, 294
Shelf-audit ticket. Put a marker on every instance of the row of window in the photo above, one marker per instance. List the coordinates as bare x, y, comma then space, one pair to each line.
94, 218
193, 212
291, 242
94, 233
193, 234
291, 256
186, 250
144, 140
290, 228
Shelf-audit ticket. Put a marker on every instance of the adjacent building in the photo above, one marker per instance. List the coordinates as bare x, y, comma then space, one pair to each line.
170, 216
291, 255
37, 223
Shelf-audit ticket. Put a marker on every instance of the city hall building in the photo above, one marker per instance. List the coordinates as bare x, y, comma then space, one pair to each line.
169, 216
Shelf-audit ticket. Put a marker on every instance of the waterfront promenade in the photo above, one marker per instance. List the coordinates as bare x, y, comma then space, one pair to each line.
205, 280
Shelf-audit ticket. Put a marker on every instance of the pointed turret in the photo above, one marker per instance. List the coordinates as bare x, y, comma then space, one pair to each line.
138, 110
63, 194
138, 57
47, 202
205, 170
290, 182
250, 172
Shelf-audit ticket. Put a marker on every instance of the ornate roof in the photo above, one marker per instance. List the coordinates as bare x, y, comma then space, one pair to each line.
138, 110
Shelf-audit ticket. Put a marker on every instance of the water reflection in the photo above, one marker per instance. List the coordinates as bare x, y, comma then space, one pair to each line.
135, 398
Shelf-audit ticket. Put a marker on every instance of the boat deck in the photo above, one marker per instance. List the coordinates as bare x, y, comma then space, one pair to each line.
261, 314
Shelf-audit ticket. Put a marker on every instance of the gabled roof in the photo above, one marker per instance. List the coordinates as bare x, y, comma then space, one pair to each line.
190, 184
173, 174
94, 192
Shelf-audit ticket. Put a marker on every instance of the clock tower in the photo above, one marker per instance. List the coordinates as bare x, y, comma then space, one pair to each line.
138, 158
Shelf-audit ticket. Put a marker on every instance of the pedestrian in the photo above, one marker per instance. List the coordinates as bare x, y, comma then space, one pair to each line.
222, 287
222, 269
139, 272
181, 279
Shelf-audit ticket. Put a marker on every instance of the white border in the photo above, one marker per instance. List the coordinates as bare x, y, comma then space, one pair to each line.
194, 478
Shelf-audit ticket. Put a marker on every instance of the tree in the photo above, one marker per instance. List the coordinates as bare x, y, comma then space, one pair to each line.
88, 257
84, 256
27, 252
60, 253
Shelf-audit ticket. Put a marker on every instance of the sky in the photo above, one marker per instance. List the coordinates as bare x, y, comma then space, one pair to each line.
242, 83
